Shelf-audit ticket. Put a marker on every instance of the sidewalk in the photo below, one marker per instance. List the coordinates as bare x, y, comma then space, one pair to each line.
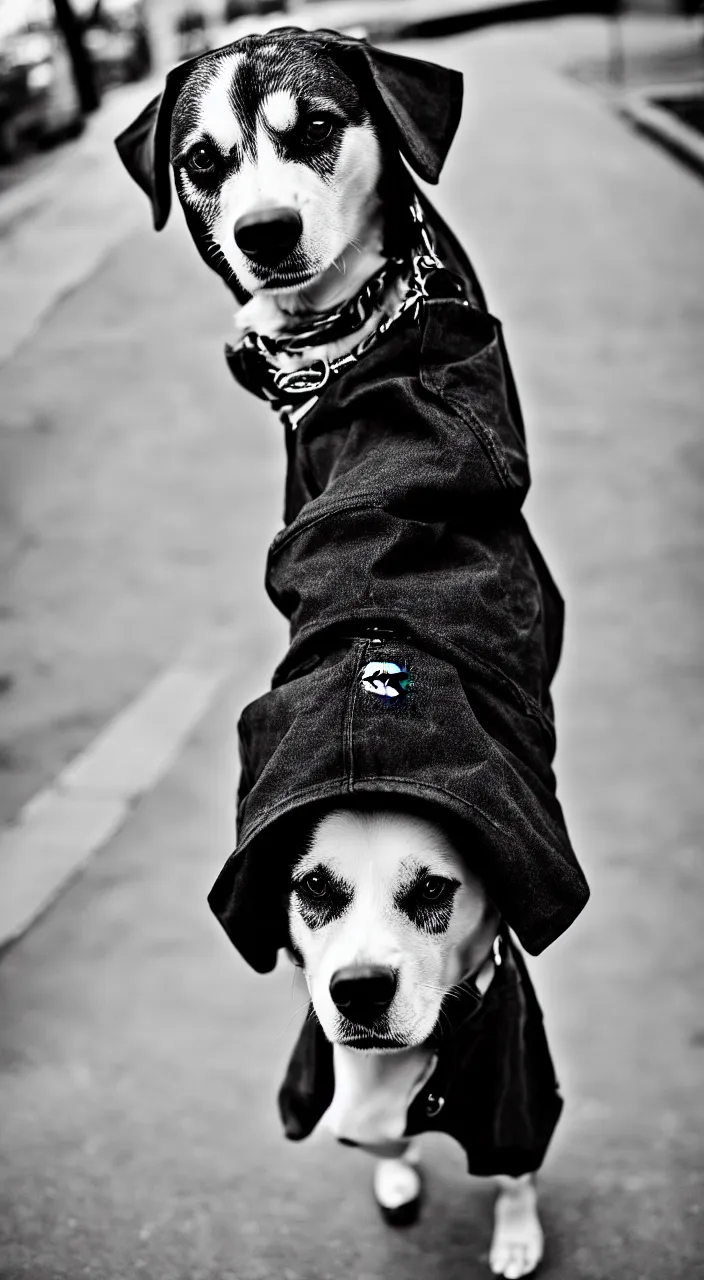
58, 225
140, 1059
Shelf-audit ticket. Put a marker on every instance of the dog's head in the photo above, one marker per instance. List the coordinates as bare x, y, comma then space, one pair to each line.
385, 918
277, 146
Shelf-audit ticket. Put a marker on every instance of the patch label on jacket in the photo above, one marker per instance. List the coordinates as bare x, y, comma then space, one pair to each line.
386, 679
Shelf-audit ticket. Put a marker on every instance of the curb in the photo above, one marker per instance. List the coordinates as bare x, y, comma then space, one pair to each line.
642, 111
494, 14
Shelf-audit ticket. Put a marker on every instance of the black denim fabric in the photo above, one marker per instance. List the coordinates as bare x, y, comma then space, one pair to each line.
493, 1088
403, 514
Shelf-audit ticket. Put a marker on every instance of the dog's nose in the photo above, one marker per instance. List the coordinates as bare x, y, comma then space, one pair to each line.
268, 235
363, 992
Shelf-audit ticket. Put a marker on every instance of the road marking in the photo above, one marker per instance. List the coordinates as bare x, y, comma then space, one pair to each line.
60, 828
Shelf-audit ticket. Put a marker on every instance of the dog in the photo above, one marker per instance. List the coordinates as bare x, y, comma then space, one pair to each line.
290, 154
387, 920
285, 177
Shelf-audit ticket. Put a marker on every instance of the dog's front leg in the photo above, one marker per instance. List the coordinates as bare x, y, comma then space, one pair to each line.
397, 1181
517, 1243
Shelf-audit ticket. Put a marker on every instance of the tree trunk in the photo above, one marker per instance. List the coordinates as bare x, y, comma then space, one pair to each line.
83, 71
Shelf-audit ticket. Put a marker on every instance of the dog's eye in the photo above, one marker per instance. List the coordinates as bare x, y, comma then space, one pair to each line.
435, 888
321, 897
314, 884
318, 128
428, 902
201, 160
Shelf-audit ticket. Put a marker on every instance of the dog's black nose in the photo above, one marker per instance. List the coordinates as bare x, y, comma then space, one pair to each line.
363, 992
268, 235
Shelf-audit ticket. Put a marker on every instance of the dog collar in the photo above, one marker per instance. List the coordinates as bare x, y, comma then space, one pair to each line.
292, 393
323, 327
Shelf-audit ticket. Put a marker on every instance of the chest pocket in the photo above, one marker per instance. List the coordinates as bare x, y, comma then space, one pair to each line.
464, 362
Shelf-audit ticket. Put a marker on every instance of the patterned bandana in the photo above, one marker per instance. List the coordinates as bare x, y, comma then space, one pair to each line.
293, 392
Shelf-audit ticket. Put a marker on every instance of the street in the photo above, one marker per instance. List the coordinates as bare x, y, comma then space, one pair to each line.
139, 1057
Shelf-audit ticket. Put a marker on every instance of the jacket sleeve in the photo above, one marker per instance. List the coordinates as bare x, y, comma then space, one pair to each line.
416, 474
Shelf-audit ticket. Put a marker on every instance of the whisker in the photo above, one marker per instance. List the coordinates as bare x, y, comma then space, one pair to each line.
293, 1015
450, 993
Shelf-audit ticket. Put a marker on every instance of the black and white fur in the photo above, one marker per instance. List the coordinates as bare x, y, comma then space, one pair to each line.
267, 128
273, 122
276, 122
388, 892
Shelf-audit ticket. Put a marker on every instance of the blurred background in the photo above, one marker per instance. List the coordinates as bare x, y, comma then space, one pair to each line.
139, 489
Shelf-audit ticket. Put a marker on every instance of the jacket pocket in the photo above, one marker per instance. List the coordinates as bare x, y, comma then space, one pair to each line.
463, 361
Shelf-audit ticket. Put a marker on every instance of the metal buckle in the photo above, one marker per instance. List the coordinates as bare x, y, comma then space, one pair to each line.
433, 1105
303, 382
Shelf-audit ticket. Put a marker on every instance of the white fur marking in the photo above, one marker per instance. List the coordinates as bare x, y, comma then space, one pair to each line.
517, 1244
216, 115
373, 1092
396, 1183
280, 110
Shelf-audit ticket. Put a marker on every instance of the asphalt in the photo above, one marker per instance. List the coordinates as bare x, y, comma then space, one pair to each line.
139, 1058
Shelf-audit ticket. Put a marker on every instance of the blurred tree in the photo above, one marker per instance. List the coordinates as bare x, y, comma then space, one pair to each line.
84, 73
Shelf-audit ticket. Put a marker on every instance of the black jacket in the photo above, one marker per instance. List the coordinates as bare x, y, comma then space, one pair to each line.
493, 1088
405, 543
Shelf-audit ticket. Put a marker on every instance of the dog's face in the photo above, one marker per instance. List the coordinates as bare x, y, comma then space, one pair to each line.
276, 147
385, 918
276, 160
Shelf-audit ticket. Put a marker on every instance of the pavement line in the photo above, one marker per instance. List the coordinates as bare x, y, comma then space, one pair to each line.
59, 829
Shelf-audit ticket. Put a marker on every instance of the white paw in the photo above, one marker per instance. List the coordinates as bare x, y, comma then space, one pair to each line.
396, 1182
518, 1241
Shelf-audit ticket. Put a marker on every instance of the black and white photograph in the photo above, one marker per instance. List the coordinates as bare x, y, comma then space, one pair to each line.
351, 636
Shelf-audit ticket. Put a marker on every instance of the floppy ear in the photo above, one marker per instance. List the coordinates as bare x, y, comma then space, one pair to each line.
144, 152
423, 102
143, 146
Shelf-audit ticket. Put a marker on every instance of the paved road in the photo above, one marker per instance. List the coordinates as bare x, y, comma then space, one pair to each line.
139, 1058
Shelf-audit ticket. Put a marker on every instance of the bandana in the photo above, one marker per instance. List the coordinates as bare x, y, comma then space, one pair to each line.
253, 361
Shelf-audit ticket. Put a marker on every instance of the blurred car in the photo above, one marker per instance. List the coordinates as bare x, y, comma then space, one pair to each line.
39, 101
235, 9
116, 37
191, 33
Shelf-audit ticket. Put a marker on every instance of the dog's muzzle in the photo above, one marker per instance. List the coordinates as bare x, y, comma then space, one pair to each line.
362, 993
268, 235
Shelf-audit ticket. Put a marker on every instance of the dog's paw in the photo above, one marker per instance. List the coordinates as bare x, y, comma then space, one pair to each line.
397, 1190
518, 1241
